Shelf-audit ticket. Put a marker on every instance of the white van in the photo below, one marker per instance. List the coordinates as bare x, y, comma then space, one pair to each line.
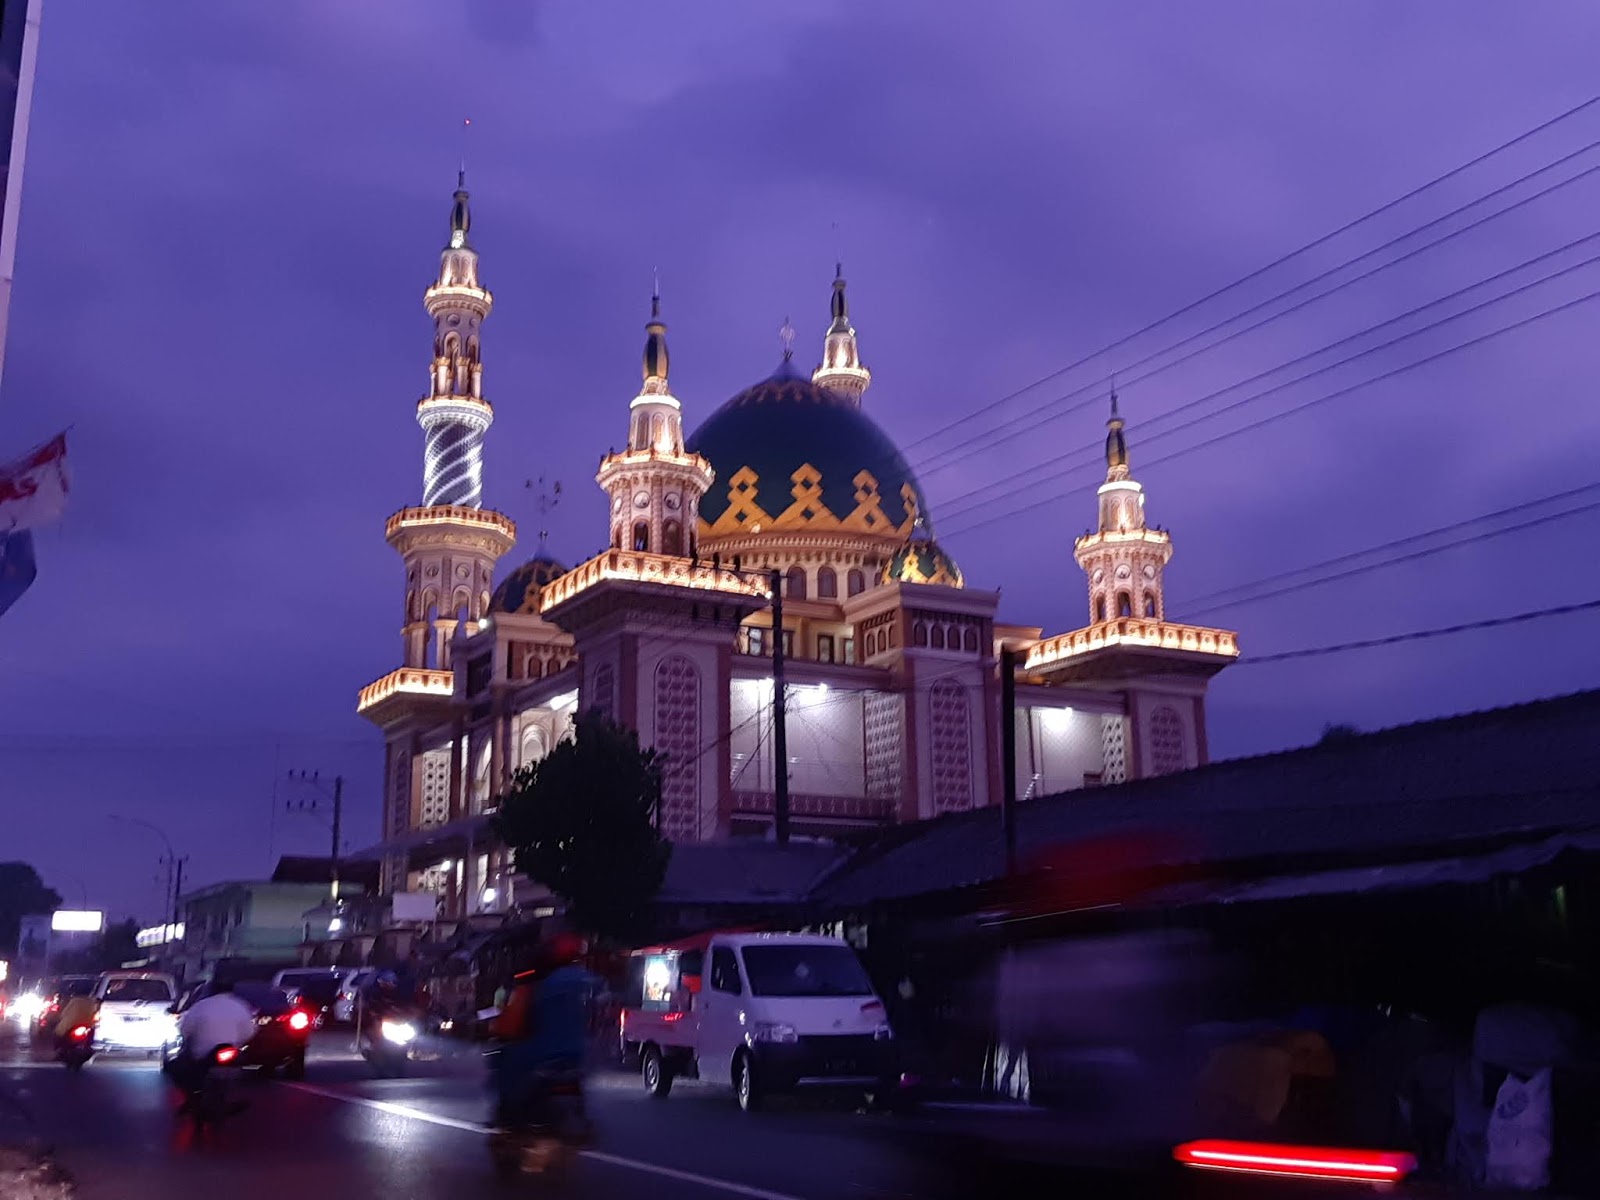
134, 1012
764, 1012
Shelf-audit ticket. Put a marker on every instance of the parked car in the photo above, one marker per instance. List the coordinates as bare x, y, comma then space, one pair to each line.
283, 1027
135, 1012
314, 988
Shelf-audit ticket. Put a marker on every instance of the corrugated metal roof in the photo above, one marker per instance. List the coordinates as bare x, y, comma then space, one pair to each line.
1525, 770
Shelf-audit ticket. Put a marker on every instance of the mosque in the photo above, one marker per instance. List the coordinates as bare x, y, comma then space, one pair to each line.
891, 658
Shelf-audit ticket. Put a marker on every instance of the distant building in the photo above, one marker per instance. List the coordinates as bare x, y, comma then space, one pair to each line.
251, 920
893, 660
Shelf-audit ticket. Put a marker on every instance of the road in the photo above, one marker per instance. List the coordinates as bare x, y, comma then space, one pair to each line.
344, 1133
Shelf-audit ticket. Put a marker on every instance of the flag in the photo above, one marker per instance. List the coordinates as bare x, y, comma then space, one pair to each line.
17, 568
33, 489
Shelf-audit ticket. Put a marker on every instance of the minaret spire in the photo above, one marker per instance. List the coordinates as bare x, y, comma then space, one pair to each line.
450, 542
840, 371
654, 485
1124, 558
454, 414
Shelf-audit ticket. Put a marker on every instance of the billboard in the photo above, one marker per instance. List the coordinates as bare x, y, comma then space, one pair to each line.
33, 946
69, 920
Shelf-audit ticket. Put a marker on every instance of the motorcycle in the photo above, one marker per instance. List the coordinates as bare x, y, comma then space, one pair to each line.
387, 1041
210, 1090
543, 1136
76, 1046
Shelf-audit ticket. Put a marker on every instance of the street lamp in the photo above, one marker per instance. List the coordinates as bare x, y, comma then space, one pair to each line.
174, 863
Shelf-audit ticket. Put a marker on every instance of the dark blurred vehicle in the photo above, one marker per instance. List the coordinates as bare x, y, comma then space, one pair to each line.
315, 989
55, 993
283, 1027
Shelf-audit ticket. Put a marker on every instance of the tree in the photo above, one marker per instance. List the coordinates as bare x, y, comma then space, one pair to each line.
582, 821
117, 945
22, 894
1340, 732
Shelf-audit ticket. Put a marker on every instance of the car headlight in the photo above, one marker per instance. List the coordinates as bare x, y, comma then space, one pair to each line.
772, 1031
883, 1033
27, 1007
399, 1032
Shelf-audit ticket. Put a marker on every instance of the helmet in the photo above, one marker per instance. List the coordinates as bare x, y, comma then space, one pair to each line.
566, 948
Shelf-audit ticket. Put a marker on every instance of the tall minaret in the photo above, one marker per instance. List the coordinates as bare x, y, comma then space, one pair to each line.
1124, 558
451, 543
841, 371
655, 487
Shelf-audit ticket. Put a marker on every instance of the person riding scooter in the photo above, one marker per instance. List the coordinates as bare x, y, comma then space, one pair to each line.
218, 1019
543, 1030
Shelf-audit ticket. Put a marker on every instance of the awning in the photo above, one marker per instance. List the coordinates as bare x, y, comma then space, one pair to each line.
1412, 876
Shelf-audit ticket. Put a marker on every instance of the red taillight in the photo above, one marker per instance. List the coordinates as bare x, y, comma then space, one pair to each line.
80, 1032
1306, 1162
299, 1020
226, 1054
672, 1016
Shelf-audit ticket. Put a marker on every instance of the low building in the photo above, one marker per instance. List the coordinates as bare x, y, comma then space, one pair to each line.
251, 920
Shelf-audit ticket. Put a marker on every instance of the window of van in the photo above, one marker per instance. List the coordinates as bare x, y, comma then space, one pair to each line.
138, 990
805, 970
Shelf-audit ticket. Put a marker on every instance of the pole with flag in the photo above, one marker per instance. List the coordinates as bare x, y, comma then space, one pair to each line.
33, 492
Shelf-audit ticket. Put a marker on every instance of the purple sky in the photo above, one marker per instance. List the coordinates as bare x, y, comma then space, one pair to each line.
230, 213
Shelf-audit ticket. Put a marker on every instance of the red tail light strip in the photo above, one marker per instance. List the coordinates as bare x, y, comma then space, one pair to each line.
1311, 1162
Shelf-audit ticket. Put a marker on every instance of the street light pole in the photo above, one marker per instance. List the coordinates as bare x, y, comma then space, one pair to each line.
174, 870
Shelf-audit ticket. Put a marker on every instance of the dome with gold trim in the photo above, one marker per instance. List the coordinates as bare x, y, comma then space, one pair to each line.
792, 456
519, 591
921, 560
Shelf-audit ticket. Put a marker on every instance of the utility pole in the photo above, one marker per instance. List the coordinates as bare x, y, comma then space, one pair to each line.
780, 724
1008, 754
177, 888
314, 806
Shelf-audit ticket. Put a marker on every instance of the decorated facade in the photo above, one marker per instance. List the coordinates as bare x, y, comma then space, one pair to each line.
892, 708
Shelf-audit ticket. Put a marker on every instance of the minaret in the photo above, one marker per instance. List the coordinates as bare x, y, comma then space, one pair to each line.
841, 371
451, 543
1124, 558
655, 487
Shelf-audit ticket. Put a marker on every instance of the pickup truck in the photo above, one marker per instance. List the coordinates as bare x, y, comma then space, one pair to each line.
761, 1012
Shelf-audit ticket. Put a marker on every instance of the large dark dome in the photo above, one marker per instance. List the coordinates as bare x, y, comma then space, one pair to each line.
787, 422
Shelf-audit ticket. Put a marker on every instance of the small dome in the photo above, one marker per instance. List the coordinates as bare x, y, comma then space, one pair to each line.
786, 423
921, 560
519, 591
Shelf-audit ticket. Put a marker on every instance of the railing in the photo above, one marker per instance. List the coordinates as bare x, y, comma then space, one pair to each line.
636, 565
803, 804
413, 681
453, 514
1134, 631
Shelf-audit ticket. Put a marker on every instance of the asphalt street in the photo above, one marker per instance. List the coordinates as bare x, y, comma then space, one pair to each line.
341, 1132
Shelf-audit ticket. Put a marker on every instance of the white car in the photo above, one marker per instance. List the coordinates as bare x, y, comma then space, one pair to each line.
135, 1012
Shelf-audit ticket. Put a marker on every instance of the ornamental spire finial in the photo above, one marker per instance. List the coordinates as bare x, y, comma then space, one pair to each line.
786, 339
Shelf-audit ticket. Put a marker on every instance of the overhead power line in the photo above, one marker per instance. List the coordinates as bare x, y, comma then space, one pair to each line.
1271, 418
1094, 391
1060, 462
1277, 262
1417, 635
1229, 597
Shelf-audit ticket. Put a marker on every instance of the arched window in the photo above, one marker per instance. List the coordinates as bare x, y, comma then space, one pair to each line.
827, 583
616, 538
1150, 606
919, 634
672, 538
937, 640
969, 641
1124, 604
1099, 609
855, 582
641, 535
794, 583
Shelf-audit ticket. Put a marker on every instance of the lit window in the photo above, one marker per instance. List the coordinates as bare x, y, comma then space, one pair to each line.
825, 647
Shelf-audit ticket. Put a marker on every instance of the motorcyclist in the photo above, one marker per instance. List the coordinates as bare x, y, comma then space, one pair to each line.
78, 1010
220, 1018
543, 1027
